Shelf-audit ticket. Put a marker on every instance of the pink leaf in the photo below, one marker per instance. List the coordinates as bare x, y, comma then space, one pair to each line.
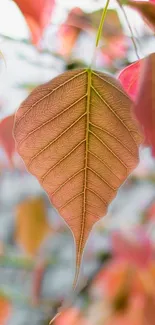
144, 107
129, 78
70, 30
115, 48
136, 248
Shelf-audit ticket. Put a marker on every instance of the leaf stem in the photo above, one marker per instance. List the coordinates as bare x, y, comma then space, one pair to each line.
102, 23
99, 32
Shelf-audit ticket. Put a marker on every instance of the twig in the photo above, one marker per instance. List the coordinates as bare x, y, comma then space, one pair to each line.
130, 28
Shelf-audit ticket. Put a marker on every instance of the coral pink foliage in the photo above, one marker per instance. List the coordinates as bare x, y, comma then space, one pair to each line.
144, 108
135, 248
129, 78
37, 14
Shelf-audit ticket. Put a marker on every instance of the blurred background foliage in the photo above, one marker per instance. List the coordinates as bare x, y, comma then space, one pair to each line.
37, 43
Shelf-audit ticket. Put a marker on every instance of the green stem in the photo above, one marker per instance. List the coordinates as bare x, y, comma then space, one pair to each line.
99, 32
102, 23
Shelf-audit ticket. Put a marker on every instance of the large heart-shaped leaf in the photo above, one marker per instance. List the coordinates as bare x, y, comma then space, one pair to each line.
77, 135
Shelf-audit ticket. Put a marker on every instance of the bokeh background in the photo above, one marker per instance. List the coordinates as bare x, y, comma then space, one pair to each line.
36, 248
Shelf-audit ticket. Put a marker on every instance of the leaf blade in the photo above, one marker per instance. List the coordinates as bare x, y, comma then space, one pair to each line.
75, 114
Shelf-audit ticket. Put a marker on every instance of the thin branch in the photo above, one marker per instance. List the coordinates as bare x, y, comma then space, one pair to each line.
130, 28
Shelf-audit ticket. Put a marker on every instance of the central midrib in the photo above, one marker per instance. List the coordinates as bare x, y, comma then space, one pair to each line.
82, 230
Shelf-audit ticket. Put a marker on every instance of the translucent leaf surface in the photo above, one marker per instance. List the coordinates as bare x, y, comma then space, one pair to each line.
77, 136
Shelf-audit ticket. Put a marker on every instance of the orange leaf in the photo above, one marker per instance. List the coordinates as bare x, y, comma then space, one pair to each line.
5, 311
70, 317
37, 14
6, 137
110, 280
31, 225
77, 135
144, 107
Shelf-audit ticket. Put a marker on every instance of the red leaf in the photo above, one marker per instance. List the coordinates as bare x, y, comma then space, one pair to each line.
37, 14
6, 137
129, 78
144, 107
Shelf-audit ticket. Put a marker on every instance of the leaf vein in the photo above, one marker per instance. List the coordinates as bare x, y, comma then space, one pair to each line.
105, 145
92, 206
113, 136
67, 181
60, 161
69, 201
117, 116
96, 216
47, 95
97, 195
56, 139
94, 155
112, 85
52, 119
83, 221
102, 179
